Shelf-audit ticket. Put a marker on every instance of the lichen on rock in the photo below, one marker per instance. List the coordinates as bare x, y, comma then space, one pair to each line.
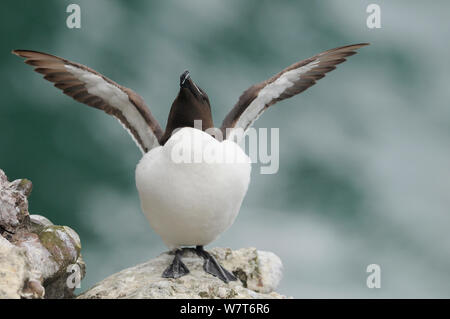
34, 254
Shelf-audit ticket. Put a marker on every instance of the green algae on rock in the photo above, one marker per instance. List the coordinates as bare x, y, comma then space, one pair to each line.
36, 257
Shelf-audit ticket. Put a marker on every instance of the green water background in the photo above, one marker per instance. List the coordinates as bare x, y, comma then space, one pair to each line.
364, 155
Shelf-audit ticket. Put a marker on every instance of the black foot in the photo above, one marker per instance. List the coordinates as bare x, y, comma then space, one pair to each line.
177, 268
212, 266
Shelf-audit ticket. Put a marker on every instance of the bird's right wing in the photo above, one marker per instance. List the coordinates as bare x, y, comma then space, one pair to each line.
90, 87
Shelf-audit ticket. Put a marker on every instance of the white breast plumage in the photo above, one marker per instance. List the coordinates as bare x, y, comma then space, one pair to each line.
192, 203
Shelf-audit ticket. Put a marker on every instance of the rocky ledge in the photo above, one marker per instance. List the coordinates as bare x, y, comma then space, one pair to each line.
37, 259
42, 260
259, 273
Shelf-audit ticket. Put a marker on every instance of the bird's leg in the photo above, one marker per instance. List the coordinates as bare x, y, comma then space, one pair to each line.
212, 266
177, 268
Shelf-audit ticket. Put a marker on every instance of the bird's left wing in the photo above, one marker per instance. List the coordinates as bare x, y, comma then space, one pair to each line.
90, 87
289, 82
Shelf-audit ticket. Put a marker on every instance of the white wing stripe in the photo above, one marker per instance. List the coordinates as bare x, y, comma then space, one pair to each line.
118, 99
271, 92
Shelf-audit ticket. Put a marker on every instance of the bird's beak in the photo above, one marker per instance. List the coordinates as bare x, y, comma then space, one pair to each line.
187, 83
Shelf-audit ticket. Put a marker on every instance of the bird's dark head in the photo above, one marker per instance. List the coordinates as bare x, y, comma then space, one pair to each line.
191, 104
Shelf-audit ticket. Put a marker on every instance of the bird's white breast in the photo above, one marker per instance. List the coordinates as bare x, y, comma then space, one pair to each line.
192, 188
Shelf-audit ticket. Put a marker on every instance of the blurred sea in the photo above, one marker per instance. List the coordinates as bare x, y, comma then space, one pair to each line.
364, 155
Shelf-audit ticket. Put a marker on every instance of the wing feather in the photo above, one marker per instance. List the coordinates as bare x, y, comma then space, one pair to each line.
90, 87
291, 81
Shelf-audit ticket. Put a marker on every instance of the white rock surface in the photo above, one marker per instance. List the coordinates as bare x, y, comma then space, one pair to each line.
14, 268
259, 273
34, 253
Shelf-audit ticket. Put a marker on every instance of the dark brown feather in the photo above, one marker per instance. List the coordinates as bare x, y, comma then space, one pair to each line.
328, 61
53, 69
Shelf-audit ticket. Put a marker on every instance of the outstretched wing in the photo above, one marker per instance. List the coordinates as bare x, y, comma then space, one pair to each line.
90, 87
289, 82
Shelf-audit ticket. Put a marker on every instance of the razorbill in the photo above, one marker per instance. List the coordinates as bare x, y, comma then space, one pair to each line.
187, 203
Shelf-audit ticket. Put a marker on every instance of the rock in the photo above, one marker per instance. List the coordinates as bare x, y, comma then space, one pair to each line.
14, 270
259, 273
37, 259
13, 202
38, 222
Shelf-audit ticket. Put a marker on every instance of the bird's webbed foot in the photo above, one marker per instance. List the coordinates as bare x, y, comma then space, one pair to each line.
212, 266
177, 268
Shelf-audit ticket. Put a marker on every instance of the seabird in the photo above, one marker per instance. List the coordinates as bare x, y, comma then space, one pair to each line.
188, 205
